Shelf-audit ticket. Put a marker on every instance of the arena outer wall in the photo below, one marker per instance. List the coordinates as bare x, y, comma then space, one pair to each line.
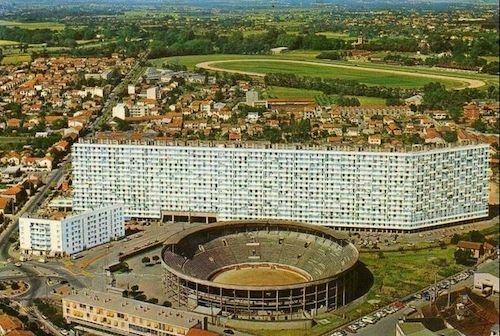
300, 301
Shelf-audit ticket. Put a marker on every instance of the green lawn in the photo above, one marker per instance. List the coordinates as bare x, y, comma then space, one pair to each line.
367, 77
285, 92
33, 25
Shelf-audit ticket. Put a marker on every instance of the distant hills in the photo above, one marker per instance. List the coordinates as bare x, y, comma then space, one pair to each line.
250, 3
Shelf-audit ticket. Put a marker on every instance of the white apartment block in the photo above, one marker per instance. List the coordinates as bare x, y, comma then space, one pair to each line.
120, 111
341, 187
75, 233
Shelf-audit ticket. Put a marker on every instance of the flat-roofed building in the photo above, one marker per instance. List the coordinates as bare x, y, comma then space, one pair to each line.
336, 186
488, 277
102, 313
65, 234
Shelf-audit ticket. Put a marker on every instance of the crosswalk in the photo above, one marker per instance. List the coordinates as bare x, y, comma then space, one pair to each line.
27, 310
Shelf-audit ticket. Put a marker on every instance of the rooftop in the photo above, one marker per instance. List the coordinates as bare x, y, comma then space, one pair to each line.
129, 139
415, 329
140, 309
491, 268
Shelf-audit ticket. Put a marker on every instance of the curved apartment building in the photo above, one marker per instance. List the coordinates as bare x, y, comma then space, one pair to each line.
334, 186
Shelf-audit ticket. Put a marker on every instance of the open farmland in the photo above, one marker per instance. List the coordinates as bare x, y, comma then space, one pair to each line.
7, 42
33, 25
16, 58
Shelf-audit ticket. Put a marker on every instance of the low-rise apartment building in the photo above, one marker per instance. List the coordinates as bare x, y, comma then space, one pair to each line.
100, 313
68, 234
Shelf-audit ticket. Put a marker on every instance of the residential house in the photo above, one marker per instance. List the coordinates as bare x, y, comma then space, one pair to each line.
9, 323
17, 193
375, 139
477, 249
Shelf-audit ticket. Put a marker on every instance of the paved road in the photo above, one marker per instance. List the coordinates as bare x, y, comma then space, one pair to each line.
28, 207
112, 97
469, 83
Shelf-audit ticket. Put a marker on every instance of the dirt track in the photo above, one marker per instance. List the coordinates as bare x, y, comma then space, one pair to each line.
468, 83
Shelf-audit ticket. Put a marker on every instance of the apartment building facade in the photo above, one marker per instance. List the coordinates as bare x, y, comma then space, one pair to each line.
103, 313
342, 187
72, 234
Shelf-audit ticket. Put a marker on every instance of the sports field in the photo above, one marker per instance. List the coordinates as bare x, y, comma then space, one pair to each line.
258, 276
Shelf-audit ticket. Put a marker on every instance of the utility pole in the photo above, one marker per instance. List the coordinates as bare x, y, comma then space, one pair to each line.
435, 288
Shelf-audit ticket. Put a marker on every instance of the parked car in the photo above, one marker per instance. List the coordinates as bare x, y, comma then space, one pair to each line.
338, 333
370, 319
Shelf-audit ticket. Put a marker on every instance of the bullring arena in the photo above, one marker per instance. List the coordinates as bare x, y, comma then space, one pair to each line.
260, 270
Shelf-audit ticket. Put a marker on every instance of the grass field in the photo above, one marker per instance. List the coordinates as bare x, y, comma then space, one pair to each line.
12, 139
366, 77
16, 58
322, 99
7, 42
8, 142
396, 274
342, 36
261, 276
33, 25
491, 58
285, 92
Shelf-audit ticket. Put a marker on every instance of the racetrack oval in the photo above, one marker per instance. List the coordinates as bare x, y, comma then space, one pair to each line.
212, 65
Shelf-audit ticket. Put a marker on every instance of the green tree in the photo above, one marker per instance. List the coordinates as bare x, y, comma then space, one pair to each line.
479, 125
455, 112
450, 136
476, 236
456, 238
463, 257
